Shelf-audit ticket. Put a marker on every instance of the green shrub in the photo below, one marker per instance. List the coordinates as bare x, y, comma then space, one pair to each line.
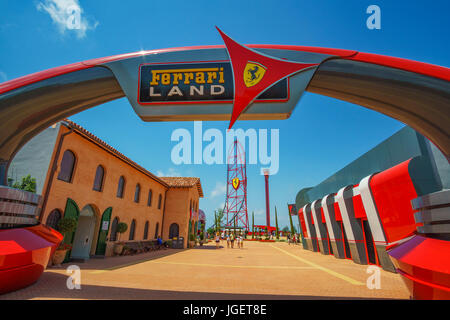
27, 184
121, 228
67, 225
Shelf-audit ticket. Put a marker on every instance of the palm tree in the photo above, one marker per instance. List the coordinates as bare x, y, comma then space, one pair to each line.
215, 222
253, 225
276, 224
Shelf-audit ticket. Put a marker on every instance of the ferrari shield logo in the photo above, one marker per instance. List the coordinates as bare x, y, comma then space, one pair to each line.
253, 73
235, 182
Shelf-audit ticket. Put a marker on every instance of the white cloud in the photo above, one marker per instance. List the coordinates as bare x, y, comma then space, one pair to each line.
170, 173
219, 189
3, 76
259, 212
67, 15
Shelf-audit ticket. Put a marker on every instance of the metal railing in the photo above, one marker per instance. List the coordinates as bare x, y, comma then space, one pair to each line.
18, 208
433, 213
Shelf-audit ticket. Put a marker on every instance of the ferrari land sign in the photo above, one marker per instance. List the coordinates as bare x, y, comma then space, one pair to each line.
216, 83
199, 82
236, 183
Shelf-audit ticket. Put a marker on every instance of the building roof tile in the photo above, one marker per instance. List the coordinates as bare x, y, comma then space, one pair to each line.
184, 182
170, 182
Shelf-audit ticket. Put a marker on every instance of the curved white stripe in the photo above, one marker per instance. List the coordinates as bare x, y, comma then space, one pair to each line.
371, 210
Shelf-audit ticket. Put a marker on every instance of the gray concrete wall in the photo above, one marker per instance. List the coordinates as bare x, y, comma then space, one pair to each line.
442, 165
401, 146
34, 158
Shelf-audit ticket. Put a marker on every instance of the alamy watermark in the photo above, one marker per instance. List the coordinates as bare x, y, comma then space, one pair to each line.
73, 17
74, 280
213, 152
374, 280
374, 20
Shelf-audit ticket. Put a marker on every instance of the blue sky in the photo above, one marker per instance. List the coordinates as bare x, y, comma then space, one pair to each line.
322, 135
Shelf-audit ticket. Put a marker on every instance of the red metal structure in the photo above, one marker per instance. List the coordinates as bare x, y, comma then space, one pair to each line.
236, 202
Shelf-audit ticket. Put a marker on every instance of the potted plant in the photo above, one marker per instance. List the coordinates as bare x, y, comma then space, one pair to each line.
65, 225
191, 240
118, 246
202, 238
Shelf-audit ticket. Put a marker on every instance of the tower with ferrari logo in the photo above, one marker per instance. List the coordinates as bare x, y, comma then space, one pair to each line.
236, 202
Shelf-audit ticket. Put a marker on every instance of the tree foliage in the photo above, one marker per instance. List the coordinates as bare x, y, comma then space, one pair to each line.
67, 225
27, 184
253, 224
218, 219
292, 225
121, 228
276, 224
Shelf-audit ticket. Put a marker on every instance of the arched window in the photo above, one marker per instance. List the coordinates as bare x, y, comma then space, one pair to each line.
137, 193
67, 166
98, 180
113, 235
53, 219
173, 231
146, 230
132, 228
149, 200
159, 201
157, 230
120, 187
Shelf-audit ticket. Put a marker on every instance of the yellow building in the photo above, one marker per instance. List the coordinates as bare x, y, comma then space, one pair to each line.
83, 177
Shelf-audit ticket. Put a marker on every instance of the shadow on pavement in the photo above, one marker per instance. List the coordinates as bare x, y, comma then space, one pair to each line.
208, 247
53, 286
117, 262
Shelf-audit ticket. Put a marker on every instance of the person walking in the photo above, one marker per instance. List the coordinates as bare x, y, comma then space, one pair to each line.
242, 241
232, 240
289, 238
228, 240
217, 240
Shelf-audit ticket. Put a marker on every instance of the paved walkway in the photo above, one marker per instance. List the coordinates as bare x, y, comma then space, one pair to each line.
258, 271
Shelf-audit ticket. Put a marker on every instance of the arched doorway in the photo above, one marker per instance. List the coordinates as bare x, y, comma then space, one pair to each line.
157, 230
132, 230
84, 234
53, 219
113, 235
173, 231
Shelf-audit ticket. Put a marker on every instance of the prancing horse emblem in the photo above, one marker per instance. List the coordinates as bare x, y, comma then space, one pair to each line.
235, 182
253, 73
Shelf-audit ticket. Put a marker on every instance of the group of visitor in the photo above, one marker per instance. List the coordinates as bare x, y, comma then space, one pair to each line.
230, 237
294, 238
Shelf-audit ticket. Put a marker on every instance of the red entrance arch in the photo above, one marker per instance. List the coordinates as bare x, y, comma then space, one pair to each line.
414, 93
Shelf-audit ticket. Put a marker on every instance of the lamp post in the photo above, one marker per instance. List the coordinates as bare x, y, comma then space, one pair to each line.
266, 179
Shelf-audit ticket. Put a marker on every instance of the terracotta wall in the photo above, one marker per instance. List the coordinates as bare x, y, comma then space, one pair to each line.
177, 210
89, 155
